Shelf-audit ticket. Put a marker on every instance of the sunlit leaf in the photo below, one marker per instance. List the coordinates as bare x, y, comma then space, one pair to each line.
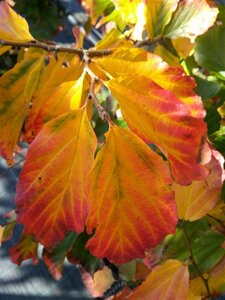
66, 69
135, 207
25, 249
100, 282
171, 113
50, 195
16, 89
159, 13
191, 19
1, 234
12, 26
158, 117
167, 281
197, 199
212, 60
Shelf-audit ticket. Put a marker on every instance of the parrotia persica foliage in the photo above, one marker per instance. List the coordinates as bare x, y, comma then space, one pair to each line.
123, 170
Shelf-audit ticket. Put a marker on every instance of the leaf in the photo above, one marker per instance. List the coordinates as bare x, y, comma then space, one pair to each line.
25, 249
159, 13
135, 207
12, 26
100, 282
1, 234
66, 68
16, 89
67, 96
50, 195
177, 104
167, 281
206, 246
218, 139
158, 117
82, 256
197, 199
54, 260
192, 18
211, 60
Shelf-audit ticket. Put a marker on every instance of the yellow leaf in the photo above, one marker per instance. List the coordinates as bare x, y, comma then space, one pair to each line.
159, 13
197, 199
16, 88
12, 26
1, 234
169, 281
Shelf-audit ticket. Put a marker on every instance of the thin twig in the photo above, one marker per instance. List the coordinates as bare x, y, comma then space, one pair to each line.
56, 48
103, 114
4, 173
147, 42
217, 220
204, 280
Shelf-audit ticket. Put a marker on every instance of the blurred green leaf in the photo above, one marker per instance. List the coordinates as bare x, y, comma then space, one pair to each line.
209, 49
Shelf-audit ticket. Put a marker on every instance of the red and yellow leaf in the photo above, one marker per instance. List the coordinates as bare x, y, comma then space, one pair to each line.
50, 195
131, 205
197, 199
12, 26
191, 19
169, 281
25, 249
158, 117
159, 104
16, 89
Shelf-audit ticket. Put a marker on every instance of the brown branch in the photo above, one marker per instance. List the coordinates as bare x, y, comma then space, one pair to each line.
56, 48
103, 114
188, 243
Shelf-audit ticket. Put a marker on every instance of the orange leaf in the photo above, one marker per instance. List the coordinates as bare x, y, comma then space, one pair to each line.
197, 199
44, 106
12, 26
25, 249
169, 281
50, 194
131, 205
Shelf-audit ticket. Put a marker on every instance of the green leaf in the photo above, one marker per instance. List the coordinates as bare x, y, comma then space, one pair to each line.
158, 16
55, 259
81, 255
205, 244
207, 88
210, 49
218, 139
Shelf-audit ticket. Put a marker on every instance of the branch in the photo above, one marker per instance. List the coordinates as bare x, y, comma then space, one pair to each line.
204, 280
103, 114
217, 220
56, 48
